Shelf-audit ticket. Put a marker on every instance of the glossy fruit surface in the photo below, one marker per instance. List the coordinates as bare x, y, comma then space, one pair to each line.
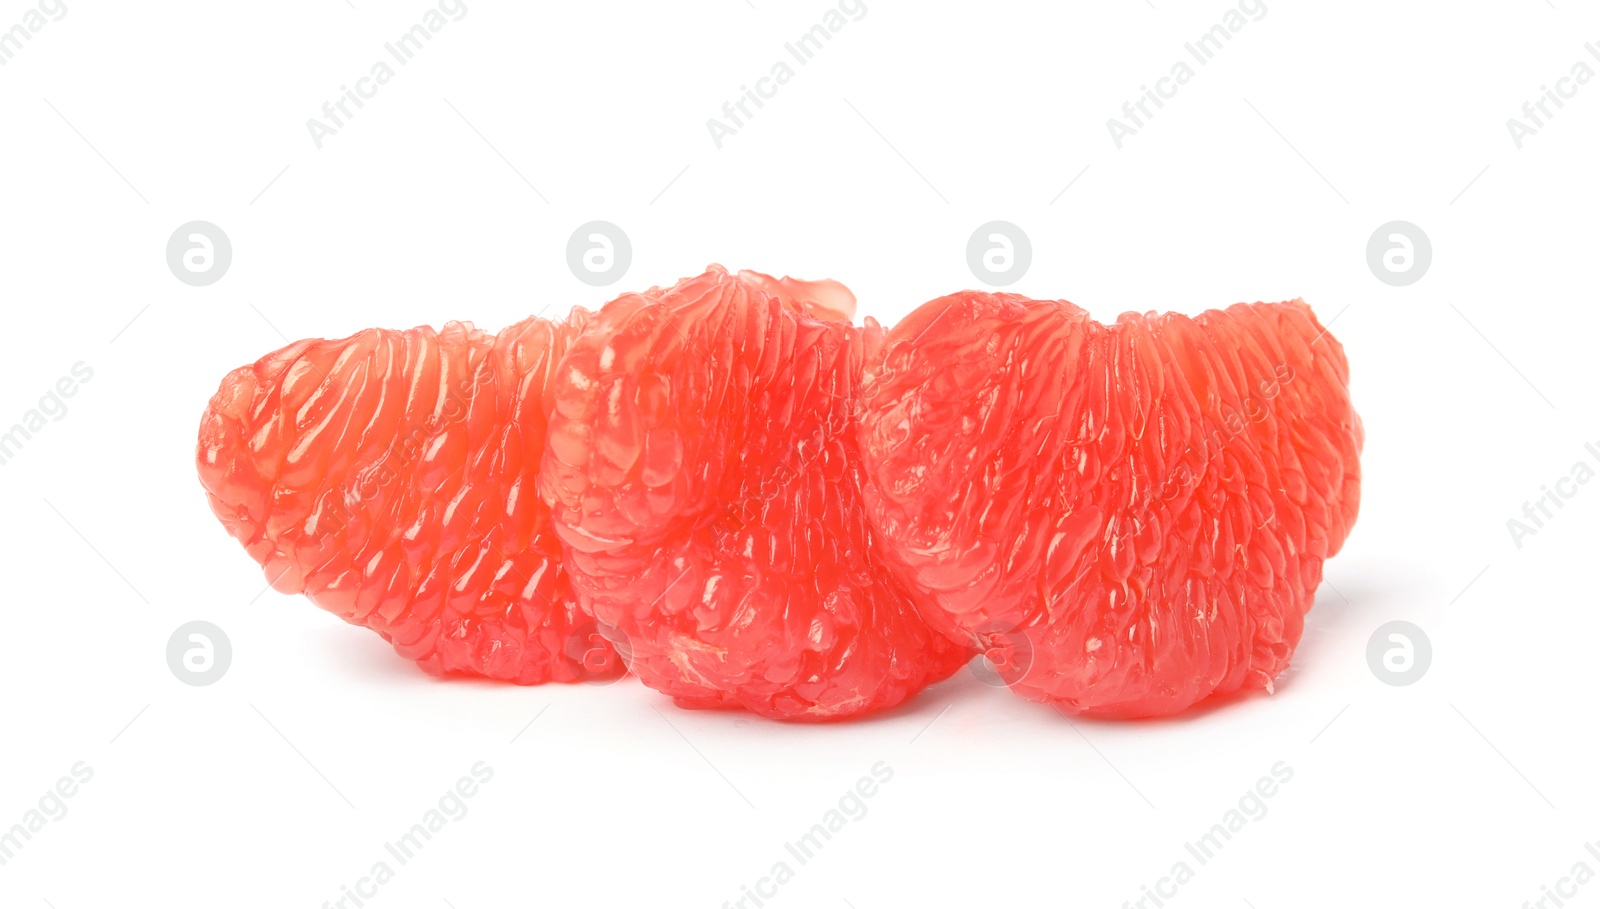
703, 472
1130, 517
390, 477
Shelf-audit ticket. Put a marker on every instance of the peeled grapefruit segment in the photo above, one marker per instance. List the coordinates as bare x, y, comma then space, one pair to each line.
704, 476
1140, 511
390, 477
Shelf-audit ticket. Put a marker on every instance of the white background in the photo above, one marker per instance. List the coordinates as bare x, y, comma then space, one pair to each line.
1262, 179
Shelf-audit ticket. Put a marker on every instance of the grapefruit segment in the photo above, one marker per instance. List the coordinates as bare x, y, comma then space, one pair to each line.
703, 472
389, 476
1141, 509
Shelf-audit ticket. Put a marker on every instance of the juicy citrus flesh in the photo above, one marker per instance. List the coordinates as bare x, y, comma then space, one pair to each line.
1129, 518
704, 475
764, 506
390, 476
